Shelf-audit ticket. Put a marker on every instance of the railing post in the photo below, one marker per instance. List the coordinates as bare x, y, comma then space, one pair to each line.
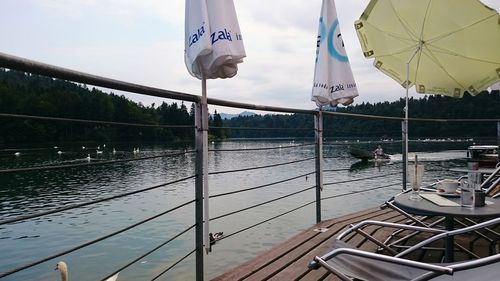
498, 139
404, 136
199, 192
318, 134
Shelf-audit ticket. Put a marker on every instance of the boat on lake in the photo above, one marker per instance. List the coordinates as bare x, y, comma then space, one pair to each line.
366, 155
485, 155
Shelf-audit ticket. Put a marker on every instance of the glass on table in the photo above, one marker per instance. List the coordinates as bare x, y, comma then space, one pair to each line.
466, 193
415, 174
468, 188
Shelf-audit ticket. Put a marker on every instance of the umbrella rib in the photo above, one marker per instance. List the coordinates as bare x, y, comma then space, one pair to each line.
434, 59
444, 35
449, 52
419, 55
403, 23
392, 34
424, 21
409, 48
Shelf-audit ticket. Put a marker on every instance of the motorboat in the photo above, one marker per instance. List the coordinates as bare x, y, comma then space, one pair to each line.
367, 155
484, 155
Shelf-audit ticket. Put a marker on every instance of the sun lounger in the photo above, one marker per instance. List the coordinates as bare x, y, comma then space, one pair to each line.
349, 263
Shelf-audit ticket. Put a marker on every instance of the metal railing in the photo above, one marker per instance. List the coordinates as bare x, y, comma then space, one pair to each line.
21, 64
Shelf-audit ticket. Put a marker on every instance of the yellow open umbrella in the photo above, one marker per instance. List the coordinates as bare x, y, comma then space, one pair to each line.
442, 47
452, 46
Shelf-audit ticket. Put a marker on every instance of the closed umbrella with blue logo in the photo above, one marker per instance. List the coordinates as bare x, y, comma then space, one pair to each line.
213, 49
333, 80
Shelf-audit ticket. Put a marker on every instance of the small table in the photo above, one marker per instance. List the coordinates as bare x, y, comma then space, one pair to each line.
427, 208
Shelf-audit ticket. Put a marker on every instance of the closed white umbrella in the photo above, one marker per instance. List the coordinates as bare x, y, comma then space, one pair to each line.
213, 48
333, 80
214, 44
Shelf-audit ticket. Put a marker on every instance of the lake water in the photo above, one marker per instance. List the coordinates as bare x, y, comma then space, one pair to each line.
31, 192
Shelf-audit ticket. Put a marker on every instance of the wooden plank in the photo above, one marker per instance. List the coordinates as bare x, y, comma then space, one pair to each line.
278, 251
299, 267
321, 241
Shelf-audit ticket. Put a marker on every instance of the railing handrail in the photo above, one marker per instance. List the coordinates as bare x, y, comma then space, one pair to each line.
32, 66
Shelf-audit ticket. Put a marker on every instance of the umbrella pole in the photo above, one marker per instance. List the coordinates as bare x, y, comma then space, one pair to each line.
405, 132
405, 129
204, 126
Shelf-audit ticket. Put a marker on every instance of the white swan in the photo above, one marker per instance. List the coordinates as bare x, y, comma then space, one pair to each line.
59, 152
88, 157
17, 153
63, 268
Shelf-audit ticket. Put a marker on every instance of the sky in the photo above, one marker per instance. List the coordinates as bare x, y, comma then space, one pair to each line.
142, 42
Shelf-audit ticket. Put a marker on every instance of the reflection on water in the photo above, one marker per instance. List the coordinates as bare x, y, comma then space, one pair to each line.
30, 192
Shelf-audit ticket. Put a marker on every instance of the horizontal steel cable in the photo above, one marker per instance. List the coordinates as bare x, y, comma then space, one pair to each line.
263, 203
91, 121
300, 207
149, 252
12, 271
362, 179
267, 220
263, 148
337, 170
261, 167
260, 186
358, 191
366, 116
356, 142
55, 167
174, 264
264, 128
330, 157
79, 205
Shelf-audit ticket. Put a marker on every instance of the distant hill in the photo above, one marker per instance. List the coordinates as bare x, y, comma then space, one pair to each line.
231, 116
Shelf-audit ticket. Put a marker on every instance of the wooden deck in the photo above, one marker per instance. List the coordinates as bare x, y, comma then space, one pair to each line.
289, 260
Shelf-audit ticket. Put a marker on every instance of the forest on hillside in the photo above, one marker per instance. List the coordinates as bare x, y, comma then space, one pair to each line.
35, 95
482, 106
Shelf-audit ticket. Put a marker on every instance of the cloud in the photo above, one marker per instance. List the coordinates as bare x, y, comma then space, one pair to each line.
143, 41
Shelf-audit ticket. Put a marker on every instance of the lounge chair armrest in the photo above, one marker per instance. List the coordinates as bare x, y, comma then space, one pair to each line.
321, 261
390, 225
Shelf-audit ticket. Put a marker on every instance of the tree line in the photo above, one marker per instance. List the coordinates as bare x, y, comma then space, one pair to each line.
482, 106
29, 94
35, 95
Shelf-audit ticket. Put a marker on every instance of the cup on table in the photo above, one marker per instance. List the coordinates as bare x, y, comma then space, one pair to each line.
449, 185
479, 198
